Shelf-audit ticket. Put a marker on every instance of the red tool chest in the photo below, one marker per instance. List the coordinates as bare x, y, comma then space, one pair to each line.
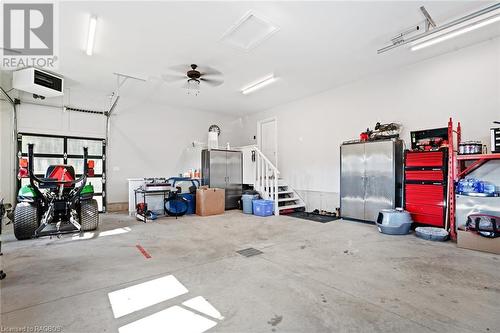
425, 186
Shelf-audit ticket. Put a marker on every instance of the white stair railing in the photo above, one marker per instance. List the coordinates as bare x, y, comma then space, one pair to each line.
266, 179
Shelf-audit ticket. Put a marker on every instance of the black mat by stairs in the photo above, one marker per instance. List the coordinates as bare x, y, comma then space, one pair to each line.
313, 217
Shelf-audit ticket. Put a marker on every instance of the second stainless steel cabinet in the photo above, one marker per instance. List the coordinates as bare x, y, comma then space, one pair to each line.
224, 169
370, 178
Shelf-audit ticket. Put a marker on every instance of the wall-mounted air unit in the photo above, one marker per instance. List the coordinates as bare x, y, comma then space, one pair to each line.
39, 82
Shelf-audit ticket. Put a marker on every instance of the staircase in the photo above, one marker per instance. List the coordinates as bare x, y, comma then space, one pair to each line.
288, 199
271, 187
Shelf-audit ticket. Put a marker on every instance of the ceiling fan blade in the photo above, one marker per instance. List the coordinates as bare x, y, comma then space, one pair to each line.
207, 70
182, 68
173, 77
212, 82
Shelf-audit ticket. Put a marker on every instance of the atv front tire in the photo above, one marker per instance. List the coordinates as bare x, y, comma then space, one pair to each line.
89, 215
25, 220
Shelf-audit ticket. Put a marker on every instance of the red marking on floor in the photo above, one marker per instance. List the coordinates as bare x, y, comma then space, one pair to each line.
144, 252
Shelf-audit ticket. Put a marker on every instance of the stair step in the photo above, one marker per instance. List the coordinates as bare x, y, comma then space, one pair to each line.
301, 205
285, 192
288, 199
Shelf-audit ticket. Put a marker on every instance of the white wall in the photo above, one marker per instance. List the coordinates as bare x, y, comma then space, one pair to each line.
154, 140
41, 120
149, 139
464, 84
146, 140
6, 143
54, 120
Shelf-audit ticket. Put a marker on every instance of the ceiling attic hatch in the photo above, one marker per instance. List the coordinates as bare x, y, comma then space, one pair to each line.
249, 31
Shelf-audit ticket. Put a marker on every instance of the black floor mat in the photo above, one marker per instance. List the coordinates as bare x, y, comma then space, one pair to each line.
313, 217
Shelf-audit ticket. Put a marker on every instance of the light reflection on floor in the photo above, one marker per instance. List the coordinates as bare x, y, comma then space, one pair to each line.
89, 235
190, 317
140, 296
174, 319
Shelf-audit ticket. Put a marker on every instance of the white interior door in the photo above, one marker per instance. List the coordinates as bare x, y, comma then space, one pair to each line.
268, 139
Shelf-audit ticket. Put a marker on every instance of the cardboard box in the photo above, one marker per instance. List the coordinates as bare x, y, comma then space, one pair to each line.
473, 241
210, 201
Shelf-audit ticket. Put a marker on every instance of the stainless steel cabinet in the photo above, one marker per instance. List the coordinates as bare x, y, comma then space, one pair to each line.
370, 178
224, 169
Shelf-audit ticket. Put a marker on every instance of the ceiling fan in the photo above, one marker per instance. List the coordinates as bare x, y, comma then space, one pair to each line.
194, 76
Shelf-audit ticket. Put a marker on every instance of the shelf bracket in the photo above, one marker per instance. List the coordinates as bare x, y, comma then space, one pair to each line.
472, 167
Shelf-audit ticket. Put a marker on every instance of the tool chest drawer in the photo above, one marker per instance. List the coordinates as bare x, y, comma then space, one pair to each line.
425, 159
425, 175
426, 203
434, 220
424, 194
425, 209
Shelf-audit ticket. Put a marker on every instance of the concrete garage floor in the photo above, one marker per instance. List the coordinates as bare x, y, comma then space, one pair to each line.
312, 277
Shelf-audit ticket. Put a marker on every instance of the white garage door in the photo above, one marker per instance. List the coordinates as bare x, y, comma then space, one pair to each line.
53, 149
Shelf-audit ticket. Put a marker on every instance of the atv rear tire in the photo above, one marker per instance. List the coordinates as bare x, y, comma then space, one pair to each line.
25, 220
89, 215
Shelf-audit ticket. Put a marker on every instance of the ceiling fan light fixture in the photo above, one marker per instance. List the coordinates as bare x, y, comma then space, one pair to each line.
259, 84
193, 87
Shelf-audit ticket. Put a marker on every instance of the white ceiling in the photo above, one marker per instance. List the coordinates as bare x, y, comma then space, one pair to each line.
320, 45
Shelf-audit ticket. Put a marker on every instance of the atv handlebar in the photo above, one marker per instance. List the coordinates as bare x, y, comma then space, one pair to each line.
34, 178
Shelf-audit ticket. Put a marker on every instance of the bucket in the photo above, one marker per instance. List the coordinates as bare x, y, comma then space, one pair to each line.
263, 207
247, 202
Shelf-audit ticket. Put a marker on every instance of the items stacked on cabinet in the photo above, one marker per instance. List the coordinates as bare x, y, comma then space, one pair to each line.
425, 186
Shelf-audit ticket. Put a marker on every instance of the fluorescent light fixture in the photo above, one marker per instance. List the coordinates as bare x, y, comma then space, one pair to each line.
455, 33
469, 22
259, 84
91, 35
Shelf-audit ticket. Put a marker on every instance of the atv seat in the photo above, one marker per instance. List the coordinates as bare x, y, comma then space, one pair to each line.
59, 173
49, 184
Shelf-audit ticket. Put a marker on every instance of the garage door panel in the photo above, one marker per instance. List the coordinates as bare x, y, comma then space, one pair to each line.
77, 163
41, 164
75, 146
97, 183
43, 145
99, 200
50, 150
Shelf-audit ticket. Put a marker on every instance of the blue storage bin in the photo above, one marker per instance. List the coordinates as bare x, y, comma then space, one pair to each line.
247, 200
191, 202
177, 206
184, 183
263, 207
